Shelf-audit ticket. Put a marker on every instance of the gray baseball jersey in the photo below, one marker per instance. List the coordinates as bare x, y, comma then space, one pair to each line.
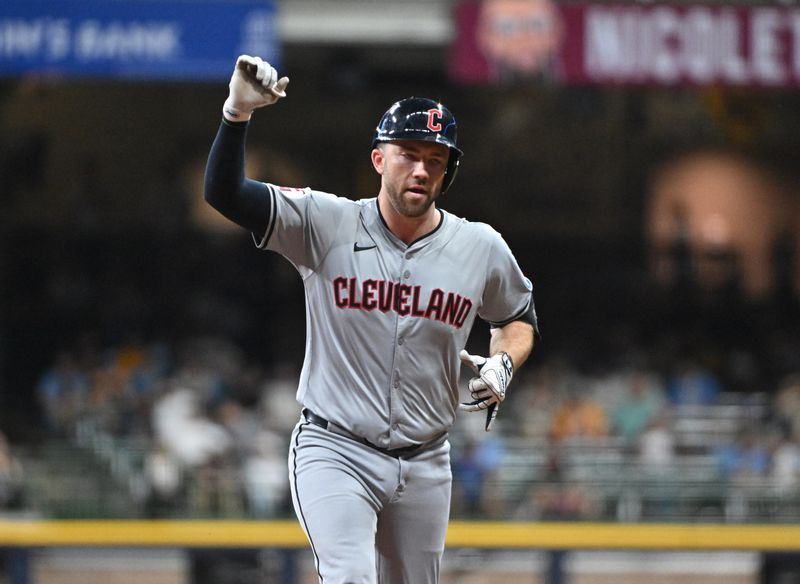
386, 320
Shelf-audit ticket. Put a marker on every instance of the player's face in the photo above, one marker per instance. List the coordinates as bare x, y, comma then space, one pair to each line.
412, 172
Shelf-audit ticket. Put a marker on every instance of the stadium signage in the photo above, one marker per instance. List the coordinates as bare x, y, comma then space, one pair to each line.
634, 44
699, 45
165, 39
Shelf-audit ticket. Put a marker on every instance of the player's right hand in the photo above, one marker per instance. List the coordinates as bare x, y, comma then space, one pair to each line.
254, 84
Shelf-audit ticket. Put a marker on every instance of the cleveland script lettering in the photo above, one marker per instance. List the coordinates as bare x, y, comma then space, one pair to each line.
405, 300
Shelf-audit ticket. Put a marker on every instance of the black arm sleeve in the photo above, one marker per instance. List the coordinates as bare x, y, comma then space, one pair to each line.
240, 199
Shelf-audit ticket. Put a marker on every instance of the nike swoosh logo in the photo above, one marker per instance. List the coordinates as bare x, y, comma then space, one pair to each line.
357, 247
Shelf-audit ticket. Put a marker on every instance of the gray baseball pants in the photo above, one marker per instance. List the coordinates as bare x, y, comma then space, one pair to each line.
371, 518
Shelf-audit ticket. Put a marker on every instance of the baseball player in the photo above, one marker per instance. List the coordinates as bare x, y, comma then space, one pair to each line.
393, 285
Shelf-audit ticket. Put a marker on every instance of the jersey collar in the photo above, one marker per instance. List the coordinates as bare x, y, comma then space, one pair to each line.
427, 237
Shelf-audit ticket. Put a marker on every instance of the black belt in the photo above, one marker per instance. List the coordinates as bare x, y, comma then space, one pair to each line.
318, 420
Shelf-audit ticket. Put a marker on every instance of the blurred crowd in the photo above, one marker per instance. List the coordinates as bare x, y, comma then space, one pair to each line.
633, 425
211, 427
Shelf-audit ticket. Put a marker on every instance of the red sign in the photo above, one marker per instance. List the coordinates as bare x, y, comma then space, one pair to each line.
627, 44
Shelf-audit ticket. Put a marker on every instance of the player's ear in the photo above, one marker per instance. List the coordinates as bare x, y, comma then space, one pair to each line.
377, 159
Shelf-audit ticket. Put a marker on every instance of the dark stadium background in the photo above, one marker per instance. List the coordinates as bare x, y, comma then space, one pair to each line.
106, 244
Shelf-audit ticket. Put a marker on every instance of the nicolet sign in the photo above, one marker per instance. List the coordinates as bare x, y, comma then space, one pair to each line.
695, 44
628, 44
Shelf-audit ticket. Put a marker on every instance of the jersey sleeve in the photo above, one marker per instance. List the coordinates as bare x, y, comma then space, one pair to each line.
302, 226
508, 294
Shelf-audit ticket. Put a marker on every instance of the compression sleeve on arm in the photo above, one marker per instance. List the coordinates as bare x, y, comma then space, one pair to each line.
242, 200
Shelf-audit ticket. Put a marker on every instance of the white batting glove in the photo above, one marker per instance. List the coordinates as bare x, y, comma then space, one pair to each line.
489, 388
254, 84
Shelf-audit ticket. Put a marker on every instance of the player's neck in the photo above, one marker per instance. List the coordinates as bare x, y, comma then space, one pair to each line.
408, 229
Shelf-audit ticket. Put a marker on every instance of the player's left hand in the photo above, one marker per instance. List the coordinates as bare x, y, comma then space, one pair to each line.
489, 388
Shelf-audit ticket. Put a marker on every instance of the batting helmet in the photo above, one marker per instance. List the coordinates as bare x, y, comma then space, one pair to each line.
420, 118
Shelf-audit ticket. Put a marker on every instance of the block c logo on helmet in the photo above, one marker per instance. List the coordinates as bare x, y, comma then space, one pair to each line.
434, 114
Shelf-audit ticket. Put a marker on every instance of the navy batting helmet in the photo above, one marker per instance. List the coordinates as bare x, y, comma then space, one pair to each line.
420, 118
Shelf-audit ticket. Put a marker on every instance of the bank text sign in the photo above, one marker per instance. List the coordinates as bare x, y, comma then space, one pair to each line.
164, 39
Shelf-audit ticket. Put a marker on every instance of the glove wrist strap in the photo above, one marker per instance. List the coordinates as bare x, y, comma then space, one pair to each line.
233, 114
507, 361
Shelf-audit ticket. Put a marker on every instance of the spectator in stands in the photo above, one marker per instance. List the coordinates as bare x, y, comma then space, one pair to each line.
206, 364
468, 477
164, 482
241, 423
215, 489
11, 491
182, 427
744, 458
743, 463
579, 416
63, 391
656, 454
537, 397
146, 377
787, 404
108, 401
657, 443
785, 462
266, 476
475, 464
693, 384
278, 403
637, 408
556, 497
